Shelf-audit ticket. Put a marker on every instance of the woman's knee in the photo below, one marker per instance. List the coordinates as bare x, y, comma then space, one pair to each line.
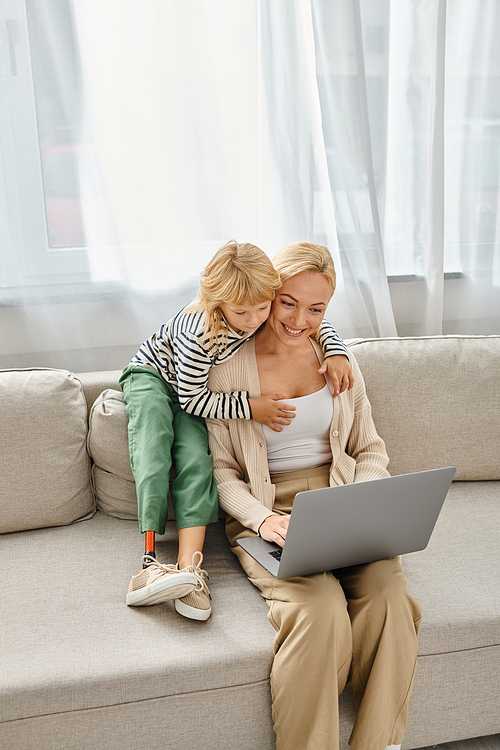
383, 586
382, 578
315, 604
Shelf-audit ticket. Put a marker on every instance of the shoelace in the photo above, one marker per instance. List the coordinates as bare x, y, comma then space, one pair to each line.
200, 574
158, 567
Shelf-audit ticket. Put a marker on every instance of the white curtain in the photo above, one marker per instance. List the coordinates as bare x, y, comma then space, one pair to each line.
138, 137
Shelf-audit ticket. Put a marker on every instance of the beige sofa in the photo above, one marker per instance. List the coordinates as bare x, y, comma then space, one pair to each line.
81, 671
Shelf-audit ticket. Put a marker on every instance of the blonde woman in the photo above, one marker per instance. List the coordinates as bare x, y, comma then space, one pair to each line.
358, 623
167, 399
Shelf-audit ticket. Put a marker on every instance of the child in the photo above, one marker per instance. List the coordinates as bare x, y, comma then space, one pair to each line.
167, 401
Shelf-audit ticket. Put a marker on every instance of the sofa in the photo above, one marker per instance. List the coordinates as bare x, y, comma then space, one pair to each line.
79, 670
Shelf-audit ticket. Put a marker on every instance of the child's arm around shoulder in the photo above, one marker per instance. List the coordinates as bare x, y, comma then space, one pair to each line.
336, 363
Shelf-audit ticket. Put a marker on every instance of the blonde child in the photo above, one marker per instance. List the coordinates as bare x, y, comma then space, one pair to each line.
167, 401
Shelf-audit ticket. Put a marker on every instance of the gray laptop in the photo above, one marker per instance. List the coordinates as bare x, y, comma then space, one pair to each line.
337, 527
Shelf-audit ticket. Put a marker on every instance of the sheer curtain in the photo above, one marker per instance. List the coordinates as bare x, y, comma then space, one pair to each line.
137, 138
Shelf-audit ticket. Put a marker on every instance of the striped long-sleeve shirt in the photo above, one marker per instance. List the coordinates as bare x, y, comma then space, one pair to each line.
180, 352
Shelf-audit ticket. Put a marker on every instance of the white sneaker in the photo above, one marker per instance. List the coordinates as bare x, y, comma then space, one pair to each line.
196, 605
158, 583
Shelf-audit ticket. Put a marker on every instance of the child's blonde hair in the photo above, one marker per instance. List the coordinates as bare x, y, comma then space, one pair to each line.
241, 274
301, 257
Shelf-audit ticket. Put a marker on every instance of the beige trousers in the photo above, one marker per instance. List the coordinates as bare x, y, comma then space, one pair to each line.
357, 625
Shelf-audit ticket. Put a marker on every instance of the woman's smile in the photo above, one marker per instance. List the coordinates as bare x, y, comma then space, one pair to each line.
293, 331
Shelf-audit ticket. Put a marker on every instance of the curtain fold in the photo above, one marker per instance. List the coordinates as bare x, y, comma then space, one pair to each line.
435, 216
345, 116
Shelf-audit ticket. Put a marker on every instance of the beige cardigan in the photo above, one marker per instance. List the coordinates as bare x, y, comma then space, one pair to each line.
239, 447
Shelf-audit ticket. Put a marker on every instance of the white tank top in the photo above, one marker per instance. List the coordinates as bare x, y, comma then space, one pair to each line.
305, 442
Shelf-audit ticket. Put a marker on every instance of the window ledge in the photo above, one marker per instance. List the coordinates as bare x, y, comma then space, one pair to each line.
413, 277
61, 294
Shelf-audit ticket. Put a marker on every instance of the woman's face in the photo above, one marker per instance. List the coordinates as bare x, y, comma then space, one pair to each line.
299, 307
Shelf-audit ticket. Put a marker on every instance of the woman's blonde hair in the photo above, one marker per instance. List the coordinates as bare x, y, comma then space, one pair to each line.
301, 257
305, 257
241, 274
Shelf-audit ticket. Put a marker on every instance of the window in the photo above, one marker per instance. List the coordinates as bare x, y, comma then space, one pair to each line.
108, 111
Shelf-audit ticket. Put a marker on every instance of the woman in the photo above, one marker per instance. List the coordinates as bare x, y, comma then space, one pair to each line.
358, 624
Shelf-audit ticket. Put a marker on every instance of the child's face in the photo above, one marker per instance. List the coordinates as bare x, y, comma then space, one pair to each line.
245, 318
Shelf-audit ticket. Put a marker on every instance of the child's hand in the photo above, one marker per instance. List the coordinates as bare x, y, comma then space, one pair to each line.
270, 409
339, 372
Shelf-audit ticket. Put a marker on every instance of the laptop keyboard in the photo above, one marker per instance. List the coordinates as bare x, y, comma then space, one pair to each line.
276, 553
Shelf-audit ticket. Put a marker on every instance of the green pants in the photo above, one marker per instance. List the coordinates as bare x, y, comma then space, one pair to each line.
160, 432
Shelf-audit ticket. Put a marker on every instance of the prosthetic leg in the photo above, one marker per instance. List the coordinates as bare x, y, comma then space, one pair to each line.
149, 546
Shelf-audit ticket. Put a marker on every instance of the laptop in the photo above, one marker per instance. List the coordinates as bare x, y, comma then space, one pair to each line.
337, 527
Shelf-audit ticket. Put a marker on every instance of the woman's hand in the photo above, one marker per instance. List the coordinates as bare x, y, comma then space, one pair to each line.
339, 371
269, 410
274, 529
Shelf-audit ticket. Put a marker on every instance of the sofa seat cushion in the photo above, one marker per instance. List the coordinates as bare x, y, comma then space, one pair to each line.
45, 468
70, 642
435, 401
82, 647
457, 577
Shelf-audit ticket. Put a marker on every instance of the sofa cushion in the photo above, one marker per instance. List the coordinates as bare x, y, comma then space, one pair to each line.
457, 577
44, 480
83, 648
98, 652
112, 476
435, 401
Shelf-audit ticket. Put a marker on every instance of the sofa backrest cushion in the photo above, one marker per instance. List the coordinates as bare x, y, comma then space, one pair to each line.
112, 477
435, 401
44, 467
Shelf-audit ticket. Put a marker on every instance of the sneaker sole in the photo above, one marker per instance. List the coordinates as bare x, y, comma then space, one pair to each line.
162, 590
191, 612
